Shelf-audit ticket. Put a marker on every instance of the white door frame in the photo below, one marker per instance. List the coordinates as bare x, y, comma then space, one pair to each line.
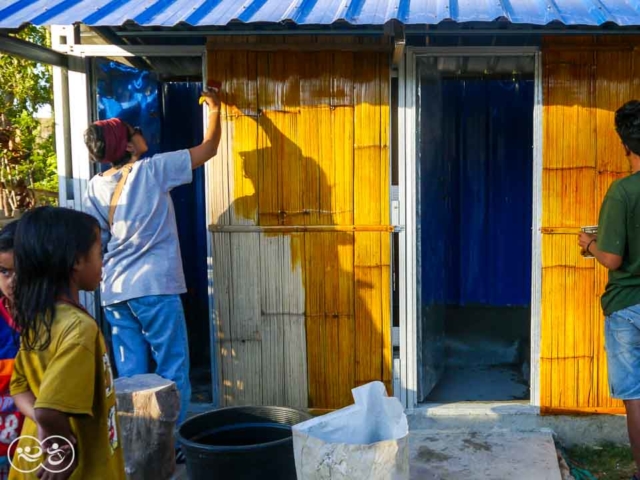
408, 193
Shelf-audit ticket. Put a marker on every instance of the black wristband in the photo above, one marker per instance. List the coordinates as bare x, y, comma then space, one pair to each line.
588, 245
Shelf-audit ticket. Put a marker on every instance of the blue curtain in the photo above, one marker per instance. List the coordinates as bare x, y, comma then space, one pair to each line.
476, 184
182, 128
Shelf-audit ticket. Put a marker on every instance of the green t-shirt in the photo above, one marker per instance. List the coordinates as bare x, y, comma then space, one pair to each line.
619, 233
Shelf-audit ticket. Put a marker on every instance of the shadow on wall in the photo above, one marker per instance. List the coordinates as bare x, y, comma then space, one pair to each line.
320, 295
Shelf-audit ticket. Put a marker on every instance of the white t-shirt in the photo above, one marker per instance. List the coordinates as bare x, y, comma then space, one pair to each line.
142, 251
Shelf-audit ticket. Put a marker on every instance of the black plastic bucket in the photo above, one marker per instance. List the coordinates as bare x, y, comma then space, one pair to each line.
241, 443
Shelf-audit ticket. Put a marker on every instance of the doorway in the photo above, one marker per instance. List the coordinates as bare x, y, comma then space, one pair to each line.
165, 106
474, 155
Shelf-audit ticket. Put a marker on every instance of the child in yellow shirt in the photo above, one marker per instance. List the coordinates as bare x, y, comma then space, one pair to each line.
62, 380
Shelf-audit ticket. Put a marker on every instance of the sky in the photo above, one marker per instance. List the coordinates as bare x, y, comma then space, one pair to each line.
44, 112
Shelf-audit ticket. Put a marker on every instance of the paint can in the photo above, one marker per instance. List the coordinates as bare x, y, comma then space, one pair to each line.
592, 230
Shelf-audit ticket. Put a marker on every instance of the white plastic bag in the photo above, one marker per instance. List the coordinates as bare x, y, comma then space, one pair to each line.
368, 440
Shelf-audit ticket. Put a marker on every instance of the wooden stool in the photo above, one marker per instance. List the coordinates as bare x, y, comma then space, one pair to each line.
148, 407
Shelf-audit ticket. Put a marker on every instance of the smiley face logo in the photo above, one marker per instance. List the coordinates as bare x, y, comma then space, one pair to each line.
29, 457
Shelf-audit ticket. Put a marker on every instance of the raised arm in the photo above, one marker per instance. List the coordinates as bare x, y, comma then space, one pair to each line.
209, 146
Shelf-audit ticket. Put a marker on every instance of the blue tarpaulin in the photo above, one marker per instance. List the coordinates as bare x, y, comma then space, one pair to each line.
131, 95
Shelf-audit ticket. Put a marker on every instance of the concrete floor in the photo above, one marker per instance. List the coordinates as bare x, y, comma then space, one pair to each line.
480, 383
496, 455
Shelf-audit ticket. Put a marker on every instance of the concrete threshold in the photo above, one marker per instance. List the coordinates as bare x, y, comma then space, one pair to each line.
475, 408
518, 417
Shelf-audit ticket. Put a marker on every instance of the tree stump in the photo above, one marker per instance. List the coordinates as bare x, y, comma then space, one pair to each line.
148, 407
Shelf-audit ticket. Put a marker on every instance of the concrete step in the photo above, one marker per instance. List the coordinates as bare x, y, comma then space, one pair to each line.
518, 417
493, 455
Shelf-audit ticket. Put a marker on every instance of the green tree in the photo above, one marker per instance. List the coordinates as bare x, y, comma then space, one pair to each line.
27, 148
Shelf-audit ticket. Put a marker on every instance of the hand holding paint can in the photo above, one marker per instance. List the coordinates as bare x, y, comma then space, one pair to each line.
590, 230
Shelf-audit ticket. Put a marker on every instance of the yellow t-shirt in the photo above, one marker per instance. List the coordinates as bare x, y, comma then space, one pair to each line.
73, 375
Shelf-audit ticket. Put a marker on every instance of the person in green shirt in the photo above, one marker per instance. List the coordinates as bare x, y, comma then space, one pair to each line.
617, 247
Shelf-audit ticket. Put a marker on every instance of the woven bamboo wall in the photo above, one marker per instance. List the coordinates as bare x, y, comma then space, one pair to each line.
585, 81
300, 198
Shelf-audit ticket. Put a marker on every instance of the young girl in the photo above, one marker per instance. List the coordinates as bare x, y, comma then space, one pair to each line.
10, 417
62, 378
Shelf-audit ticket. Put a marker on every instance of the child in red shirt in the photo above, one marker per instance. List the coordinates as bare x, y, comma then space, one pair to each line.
10, 418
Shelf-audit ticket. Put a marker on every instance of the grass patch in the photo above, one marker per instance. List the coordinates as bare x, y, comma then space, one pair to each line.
607, 461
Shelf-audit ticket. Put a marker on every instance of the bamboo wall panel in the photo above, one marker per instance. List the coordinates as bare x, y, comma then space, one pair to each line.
244, 201
304, 317
221, 250
585, 80
610, 94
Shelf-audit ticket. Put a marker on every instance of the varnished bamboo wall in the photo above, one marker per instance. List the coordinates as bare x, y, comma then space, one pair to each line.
299, 194
584, 81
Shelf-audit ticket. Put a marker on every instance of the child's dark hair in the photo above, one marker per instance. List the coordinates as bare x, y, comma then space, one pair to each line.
48, 242
628, 125
94, 140
7, 235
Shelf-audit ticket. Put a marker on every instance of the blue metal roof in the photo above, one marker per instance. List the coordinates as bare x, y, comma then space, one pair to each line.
167, 13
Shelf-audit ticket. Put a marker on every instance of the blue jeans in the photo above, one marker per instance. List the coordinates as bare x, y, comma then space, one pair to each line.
153, 323
622, 341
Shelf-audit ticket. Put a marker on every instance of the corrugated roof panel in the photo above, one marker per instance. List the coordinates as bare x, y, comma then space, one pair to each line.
222, 13
535, 10
373, 10
198, 16
92, 11
22, 11
174, 13
167, 13
482, 10
118, 10
307, 13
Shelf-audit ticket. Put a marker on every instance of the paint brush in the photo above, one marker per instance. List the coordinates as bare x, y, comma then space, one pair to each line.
212, 85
